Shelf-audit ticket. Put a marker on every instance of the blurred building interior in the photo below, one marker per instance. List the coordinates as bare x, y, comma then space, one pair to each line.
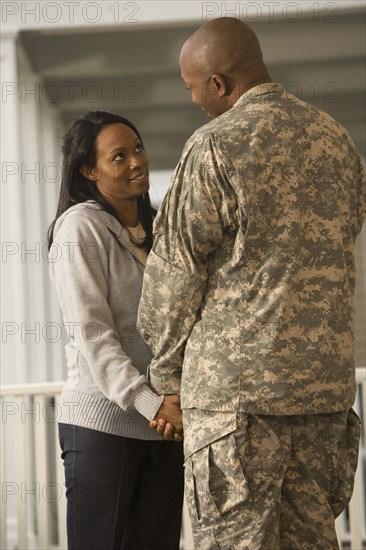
134, 71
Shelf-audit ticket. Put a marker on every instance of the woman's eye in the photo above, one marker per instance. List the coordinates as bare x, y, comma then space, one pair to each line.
120, 156
139, 147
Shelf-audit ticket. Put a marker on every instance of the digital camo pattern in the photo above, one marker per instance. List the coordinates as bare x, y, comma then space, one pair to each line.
247, 299
276, 483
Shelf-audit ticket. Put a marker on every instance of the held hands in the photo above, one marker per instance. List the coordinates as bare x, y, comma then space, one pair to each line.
168, 419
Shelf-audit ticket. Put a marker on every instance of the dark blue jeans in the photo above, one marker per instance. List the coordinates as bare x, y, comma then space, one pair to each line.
122, 494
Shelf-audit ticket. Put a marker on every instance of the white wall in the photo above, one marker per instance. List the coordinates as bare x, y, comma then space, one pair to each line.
30, 318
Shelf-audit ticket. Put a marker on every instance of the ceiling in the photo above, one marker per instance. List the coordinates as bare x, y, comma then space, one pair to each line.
134, 72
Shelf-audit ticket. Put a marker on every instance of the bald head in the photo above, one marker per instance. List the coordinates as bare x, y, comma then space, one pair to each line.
224, 45
228, 49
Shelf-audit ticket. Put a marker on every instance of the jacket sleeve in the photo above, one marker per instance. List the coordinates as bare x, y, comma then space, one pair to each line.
80, 275
188, 228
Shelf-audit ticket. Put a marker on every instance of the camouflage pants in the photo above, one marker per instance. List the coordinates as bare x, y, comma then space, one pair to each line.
275, 483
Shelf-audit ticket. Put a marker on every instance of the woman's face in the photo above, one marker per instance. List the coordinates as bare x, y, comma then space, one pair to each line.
122, 166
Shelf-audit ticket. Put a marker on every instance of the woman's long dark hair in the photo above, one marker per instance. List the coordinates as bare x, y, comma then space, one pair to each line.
78, 148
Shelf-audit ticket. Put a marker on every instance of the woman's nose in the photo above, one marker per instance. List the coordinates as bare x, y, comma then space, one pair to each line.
135, 162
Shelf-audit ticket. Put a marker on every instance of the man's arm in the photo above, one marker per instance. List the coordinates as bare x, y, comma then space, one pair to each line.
188, 228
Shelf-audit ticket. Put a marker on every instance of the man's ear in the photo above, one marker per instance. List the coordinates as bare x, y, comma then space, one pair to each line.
218, 83
88, 172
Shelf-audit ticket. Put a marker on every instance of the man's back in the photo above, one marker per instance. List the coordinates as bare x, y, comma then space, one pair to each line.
272, 199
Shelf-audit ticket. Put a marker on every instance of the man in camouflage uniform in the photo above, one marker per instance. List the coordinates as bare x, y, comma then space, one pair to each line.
248, 304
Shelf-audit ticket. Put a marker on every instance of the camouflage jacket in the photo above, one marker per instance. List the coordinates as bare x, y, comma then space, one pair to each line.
247, 298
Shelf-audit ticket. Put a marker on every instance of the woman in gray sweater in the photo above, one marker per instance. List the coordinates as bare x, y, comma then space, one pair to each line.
124, 483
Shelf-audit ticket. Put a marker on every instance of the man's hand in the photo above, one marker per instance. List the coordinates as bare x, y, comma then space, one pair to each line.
168, 419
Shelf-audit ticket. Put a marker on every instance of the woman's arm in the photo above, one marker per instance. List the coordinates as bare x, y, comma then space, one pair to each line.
80, 275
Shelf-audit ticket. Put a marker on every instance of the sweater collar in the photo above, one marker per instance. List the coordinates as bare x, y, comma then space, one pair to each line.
112, 224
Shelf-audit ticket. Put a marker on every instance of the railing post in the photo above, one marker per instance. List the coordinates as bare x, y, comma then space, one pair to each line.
3, 523
60, 479
43, 516
21, 473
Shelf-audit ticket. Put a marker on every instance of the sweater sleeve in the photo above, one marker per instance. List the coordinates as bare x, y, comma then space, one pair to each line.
189, 227
80, 275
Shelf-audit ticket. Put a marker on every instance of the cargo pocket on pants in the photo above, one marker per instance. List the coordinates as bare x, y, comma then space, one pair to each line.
216, 491
347, 463
202, 510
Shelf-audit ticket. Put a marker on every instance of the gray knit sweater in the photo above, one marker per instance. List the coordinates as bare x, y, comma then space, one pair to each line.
98, 280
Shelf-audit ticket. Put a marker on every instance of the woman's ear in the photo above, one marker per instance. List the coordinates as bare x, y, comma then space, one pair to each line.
88, 172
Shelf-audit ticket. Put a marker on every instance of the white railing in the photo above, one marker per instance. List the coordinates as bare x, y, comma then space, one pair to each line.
32, 490
33, 502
